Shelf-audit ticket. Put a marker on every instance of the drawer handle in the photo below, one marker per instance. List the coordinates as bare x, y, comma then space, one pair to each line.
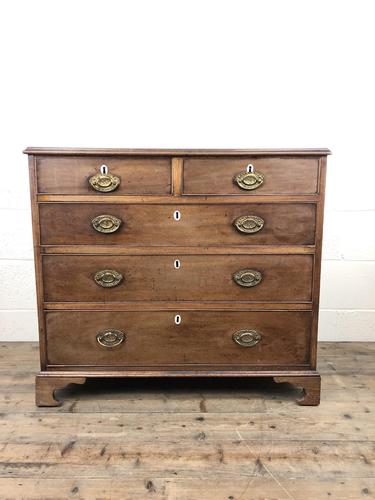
248, 224
106, 223
104, 181
247, 277
249, 180
110, 338
247, 338
107, 278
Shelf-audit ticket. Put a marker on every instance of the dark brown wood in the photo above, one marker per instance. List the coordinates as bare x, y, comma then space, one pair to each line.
176, 152
45, 388
154, 225
170, 200
309, 384
174, 372
70, 278
70, 175
213, 176
197, 250
202, 338
182, 306
317, 263
37, 261
177, 171
198, 183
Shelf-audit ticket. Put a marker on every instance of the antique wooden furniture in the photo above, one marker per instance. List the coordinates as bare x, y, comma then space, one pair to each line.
177, 263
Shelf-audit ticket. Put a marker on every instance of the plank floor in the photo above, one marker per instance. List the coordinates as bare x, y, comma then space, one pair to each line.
190, 439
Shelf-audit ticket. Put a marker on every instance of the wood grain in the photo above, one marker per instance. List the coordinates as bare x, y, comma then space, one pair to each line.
154, 225
189, 439
310, 386
177, 181
186, 250
318, 261
286, 278
153, 339
175, 152
37, 260
182, 306
198, 183
45, 388
213, 176
70, 175
170, 200
259, 485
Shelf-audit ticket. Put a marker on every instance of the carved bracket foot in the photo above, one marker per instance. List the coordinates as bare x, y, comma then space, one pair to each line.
310, 385
45, 387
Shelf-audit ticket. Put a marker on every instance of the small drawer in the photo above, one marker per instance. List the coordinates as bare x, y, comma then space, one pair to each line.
233, 176
129, 176
174, 225
257, 339
247, 278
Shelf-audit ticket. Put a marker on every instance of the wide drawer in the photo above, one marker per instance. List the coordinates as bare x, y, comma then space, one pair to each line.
278, 176
152, 338
170, 225
284, 278
71, 175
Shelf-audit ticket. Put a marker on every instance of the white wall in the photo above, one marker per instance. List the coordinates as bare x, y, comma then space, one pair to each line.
194, 74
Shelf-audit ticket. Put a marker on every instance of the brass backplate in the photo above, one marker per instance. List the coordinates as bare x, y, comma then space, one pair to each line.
110, 338
249, 180
247, 277
106, 223
104, 182
247, 338
248, 224
108, 278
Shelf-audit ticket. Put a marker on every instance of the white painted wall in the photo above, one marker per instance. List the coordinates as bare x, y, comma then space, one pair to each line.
194, 74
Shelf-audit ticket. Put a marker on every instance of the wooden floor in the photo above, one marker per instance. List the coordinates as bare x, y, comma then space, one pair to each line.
190, 440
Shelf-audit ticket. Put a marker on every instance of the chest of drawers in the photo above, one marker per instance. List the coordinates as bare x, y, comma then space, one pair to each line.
177, 263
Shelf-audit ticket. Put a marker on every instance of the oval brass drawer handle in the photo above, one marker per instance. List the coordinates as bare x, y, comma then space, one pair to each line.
248, 224
247, 277
110, 338
104, 182
108, 278
249, 180
247, 338
106, 223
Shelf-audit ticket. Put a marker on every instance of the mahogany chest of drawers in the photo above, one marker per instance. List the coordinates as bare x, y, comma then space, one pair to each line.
177, 263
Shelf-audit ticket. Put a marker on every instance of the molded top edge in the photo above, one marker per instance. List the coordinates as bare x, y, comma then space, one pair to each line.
174, 152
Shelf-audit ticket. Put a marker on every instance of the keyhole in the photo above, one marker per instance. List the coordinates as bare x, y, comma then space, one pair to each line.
250, 168
177, 264
177, 215
177, 319
104, 169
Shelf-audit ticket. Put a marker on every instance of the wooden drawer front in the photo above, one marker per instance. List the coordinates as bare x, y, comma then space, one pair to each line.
150, 225
281, 175
153, 338
70, 175
286, 278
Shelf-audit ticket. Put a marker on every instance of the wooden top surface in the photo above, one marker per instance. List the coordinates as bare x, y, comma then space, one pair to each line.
175, 152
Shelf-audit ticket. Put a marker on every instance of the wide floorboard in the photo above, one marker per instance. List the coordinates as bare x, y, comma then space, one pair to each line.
190, 439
